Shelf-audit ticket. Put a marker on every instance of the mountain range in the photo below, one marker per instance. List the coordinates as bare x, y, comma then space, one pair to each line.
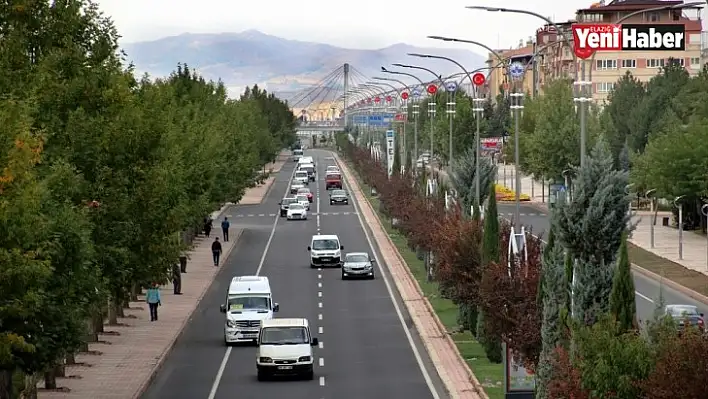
281, 66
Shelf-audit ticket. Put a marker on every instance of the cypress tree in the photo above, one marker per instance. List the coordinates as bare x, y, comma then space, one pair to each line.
490, 253
622, 301
396, 169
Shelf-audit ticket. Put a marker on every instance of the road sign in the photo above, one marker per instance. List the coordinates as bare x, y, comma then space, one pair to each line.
404, 95
450, 86
478, 79
416, 93
432, 89
390, 150
516, 70
400, 117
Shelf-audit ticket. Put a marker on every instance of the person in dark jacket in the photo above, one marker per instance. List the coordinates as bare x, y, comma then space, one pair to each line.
216, 250
177, 279
225, 229
208, 226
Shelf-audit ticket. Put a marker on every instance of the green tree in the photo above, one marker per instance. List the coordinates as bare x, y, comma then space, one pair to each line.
396, 167
622, 298
490, 340
462, 176
591, 228
628, 92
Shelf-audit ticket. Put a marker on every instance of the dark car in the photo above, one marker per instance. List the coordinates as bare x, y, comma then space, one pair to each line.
285, 204
338, 197
685, 315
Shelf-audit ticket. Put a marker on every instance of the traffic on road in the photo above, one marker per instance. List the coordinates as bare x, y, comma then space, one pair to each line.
283, 319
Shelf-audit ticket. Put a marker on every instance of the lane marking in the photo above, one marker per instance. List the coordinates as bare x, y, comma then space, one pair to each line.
319, 305
321, 345
321, 362
387, 283
319, 285
639, 294
319, 294
320, 330
319, 316
319, 269
319, 276
322, 381
227, 354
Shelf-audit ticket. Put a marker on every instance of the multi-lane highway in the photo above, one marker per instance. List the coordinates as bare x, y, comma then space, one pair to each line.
647, 289
368, 346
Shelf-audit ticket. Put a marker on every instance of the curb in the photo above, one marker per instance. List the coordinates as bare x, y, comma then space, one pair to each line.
168, 349
443, 331
678, 287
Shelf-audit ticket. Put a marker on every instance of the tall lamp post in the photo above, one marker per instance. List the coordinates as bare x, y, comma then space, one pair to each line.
403, 102
416, 106
432, 110
403, 134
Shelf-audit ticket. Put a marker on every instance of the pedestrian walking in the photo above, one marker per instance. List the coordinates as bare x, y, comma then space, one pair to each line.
225, 229
177, 279
216, 250
152, 297
208, 225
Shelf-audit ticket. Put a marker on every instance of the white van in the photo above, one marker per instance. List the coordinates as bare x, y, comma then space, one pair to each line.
325, 250
305, 159
285, 348
249, 302
301, 176
307, 168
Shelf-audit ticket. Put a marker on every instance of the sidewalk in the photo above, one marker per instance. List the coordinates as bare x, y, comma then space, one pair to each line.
123, 364
534, 189
452, 369
666, 242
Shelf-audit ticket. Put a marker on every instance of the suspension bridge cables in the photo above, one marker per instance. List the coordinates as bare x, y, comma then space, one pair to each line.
310, 95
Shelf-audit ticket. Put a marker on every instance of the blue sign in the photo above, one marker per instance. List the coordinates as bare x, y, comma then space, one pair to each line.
516, 70
374, 120
416, 93
389, 133
450, 86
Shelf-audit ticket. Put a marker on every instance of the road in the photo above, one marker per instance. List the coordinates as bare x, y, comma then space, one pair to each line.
647, 289
368, 345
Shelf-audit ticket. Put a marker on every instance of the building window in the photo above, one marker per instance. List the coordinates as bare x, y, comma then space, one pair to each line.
695, 62
694, 38
629, 63
653, 17
606, 64
655, 63
592, 17
605, 87
676, 61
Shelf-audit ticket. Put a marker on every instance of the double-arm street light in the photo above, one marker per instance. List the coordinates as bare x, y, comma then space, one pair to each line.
431, 105
403, 102
403, 134
415, 106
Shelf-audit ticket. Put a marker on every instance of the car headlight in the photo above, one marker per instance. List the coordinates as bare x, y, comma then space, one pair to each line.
304, 359
230, 324
265, 360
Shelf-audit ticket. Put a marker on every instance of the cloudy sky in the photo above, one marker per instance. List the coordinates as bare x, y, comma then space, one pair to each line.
365, 24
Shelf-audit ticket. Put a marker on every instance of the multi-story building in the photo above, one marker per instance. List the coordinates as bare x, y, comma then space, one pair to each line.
554, 56
498, 78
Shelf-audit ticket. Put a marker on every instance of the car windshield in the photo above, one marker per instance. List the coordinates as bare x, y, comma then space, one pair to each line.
301, 174
303, 191
284, 336
301, 198
357, 258
338, 192
682, 311
296, 207
239, 303
325, 244
288, 201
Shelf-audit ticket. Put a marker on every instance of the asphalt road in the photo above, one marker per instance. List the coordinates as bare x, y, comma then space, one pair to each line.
648, 290
368, 345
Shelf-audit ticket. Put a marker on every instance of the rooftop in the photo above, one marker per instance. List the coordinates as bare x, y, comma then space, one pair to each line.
630, 5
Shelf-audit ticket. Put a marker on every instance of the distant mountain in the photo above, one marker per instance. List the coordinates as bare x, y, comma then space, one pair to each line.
280, 65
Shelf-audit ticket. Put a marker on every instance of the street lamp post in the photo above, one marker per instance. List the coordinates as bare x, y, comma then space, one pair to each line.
652, 218
416, 107
679, 205
403, 134
405, 122
704, 211
431, 106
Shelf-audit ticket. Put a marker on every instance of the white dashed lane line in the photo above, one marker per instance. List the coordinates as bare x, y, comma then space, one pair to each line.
319, 316
319, 294
320, 330
319, 305
321, 362
322, 381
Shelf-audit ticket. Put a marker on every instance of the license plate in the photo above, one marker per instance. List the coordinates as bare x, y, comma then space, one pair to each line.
285, 367
326, 259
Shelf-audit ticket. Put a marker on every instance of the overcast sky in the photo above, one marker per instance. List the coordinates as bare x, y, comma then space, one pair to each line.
366, 24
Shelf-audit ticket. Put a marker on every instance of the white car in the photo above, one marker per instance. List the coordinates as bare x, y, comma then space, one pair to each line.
295, 187
297, 211
325, 250
332, 169
285, 348
302, 200
301, 176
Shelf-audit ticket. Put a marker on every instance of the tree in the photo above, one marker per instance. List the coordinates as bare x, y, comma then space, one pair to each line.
590, 227
489, 339
396, 167
628, 92
462, 176
622, 297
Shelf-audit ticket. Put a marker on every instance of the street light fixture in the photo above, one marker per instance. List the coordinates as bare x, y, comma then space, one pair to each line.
679, 205
652, 218
416, 106
401, 104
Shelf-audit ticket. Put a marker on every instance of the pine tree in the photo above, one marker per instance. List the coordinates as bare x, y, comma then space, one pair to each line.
554, 304
490, 254
590, 227
462, 177
622, 301
396, 169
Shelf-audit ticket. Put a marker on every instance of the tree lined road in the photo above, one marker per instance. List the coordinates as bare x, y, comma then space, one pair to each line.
648, 290
365, 337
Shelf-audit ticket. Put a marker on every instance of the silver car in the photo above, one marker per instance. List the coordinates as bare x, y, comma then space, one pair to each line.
357, 265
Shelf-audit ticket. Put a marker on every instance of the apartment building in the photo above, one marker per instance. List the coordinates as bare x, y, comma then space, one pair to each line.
554, 56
